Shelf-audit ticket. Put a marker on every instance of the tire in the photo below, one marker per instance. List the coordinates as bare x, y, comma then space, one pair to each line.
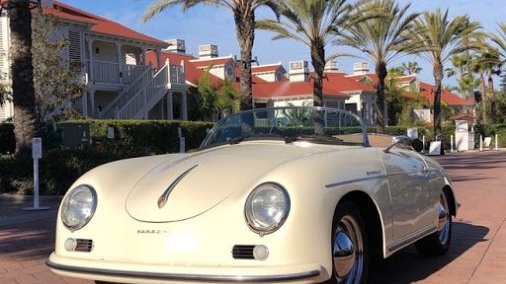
349, 221
438, 243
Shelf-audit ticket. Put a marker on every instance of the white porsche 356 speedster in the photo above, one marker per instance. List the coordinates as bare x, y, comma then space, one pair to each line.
285, 195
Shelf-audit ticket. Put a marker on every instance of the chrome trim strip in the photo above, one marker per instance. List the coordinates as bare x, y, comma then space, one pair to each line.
330, 185
184, 277
162, 200
409, 240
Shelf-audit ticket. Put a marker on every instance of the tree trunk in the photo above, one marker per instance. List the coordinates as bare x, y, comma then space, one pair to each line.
380, 107
491, 84
245, 30
318, 61
22, 75
484, 98
438, 77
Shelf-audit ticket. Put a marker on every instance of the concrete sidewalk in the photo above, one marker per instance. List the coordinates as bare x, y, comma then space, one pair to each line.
477, 254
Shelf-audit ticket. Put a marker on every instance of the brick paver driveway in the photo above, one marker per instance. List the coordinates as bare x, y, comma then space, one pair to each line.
477, 255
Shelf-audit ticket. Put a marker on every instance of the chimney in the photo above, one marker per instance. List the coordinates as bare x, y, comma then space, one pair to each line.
207, 51
360, 68
176, 45
298, 71
331, 66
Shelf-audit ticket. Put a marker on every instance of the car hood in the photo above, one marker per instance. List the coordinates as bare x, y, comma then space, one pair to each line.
185, 188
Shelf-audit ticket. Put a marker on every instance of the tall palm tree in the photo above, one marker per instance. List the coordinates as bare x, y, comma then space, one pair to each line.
314, 23
23, 93
499, 38
437, 39
411, 67
382, 39
244, 17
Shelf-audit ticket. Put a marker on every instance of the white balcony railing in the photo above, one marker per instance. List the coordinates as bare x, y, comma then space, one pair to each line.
110, 72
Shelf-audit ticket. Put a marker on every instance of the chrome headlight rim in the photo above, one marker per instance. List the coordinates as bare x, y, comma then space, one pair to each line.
86, 220
252, 224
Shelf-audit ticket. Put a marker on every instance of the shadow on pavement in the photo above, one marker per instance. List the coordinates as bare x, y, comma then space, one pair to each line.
27, 240
407, 265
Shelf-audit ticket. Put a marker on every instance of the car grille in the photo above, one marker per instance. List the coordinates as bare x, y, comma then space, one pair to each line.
83, 245
243, 252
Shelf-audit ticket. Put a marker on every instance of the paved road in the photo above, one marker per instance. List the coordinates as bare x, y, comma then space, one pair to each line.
477, 255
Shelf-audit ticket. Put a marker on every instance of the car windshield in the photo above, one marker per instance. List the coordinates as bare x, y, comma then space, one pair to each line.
289, 124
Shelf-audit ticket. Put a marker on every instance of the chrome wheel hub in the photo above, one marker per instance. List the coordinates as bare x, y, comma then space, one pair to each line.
348, 251
443, 219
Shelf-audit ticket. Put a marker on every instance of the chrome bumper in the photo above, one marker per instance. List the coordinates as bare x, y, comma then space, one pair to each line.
183, 277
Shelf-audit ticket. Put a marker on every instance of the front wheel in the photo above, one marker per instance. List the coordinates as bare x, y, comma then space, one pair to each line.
350, 257
438, 242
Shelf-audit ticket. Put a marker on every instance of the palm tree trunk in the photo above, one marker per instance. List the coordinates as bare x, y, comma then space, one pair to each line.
380, 107
22, 75
245, 30
318, 61
484, 98
438, 77
491, 84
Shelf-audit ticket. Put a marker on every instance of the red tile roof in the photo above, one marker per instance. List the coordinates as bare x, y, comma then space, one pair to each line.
204, 63
463, 117
270, 68
346, 84
451, 99
98, 24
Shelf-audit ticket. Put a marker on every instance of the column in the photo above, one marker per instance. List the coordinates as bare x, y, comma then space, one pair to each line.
119, 51
91, 93
143, 56
170, 106
184, 106
91, 76
85, 103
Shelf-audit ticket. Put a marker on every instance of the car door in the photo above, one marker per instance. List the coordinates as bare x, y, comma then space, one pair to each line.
409, 193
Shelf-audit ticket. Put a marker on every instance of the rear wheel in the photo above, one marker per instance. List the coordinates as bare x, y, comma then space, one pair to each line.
350, 257
438, 243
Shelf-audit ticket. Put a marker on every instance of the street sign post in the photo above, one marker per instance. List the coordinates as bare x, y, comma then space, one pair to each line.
36, 155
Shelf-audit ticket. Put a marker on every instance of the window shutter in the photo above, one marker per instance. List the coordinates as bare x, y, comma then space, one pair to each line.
74, 48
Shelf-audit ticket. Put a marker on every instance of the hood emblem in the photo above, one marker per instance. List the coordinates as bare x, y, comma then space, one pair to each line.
162, 200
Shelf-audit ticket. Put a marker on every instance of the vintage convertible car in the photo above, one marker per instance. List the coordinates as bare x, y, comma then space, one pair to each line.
289, 195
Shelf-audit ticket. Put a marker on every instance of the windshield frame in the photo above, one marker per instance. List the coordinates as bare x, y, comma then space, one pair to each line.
205, 143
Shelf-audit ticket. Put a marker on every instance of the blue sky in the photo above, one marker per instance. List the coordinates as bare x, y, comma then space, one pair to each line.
205, 24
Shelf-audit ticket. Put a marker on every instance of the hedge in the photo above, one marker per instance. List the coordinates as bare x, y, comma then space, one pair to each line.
138, 137
7, 141
490, 130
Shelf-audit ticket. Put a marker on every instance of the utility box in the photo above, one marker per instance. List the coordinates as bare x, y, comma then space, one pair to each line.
464, 132
76, 135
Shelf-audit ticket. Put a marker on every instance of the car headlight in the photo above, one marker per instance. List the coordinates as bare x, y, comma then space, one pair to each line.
267, 207
78, 207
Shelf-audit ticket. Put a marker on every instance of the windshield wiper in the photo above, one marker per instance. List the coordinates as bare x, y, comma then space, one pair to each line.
313, 137
241, 138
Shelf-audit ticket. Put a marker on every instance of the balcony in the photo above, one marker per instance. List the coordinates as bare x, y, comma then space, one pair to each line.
110, 72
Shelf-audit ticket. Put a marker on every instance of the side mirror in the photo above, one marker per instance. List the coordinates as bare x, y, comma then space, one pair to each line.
402, 141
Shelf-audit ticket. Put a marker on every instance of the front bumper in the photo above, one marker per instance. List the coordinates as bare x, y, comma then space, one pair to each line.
139, 273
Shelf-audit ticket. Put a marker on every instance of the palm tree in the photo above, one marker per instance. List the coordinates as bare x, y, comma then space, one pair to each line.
411, 67
244, 17
382, 39
23, 93
437, 39
314, 23
499, 38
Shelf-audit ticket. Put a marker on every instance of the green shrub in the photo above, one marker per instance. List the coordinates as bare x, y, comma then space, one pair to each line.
141, 137
490, 130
